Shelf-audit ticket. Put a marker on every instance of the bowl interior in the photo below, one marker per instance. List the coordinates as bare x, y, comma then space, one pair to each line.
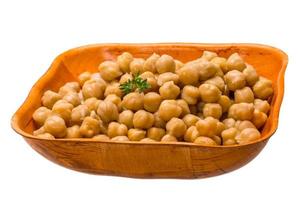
268, 61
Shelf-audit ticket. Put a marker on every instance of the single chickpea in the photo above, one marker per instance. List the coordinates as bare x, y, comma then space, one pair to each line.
178, 65
120, 139
83, 77
73, 98
133, 101
151, 80
247, 135
235, 80
206, 70
101, 137
69, 87
167, 76
92, 88
49, 98
241, 125
40, 115
212, 110
126, 117
116, 129
209, 93
125, 77
208, 55
149, 64
188, 75
251, 75
107, 111
136, 66
217, 81
263, 88
73, 132
221, 63
169, 109
63, 109
155, 133
124, 61
136, 134
56, 126
191, 134
89, 127
262, 105
158, 122
113, 88
229, 123
241, 111
228, 136
152, 101
79, 113
176, 127
243, 95
259, 118
184, 107
143, 119
190, 94
92, 103
190, 120
235, 62
168, 138
207, 127
46, 136
225, 103
115, 100
109, 70
205, 141
165, 64
220, 127
169, 90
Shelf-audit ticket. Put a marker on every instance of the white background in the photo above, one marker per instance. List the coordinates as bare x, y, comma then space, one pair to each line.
32, 33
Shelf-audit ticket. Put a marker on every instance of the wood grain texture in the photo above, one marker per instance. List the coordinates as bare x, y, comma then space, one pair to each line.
148, 160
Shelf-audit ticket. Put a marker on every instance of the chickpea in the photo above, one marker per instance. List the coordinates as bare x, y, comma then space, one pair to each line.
69, 87
101, 137
126, 117
190, 120
206, 70
169, 138
152, 101
190, 94
40, 115
92, 88
120, 139
56, 126
149, 64
63, 109
136, 66
136, 134
79, 113
83, 77
116, 129
46, 136
49, 98
209, 93
263, 88
115, 100
124, 61
155, 133
178, 65
208, 55
73, 132
158, 122
169, 109
212, 110
262, 105
221, 63
228, 136
229, 123
247, 135
107, 111
39, 131
151, 79
176, 127
89, 127
241, 125
243, 95
169, 90
133, 101
184, 107
217, 81
205, 141
188, 75
165, 64
92, 103
167, 76
113, 88
143, 119
225, 103
241, 111
251, 75
125, 77
259, 118
235, 62
109, 70
191, 134
73, 98
207, 127
235, 80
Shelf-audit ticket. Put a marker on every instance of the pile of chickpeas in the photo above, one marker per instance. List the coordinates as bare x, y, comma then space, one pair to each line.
208, 101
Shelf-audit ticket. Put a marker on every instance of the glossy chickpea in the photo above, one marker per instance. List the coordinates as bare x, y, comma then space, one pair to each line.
56, 126
136, 66
169, 90
73, 98
208, 55
241, 111
241, 125
247, 135
46, 136
205, 141
158, 122
126, 117
116, 129
40, 115
149, 64
228, 136
176, 127
73, 132
152, 101
63, 109
235, 62
92, 103
113, 88
188, 75
207, 127
155, 133
124, 61
89, 127
115, 100
165, 64
243, 95
92, 88
101, 137
79, 113
209, 93
169, 138
167, 76
169, 109
49, 98
225, 103
191, 134
120, 139
206, 70
107, 111
184, 107
262, 105
190, 94
136, 134
235, 80
109, 70
217, 81
212, 110
229, 123
259, 118
133, 101
143, 119
125, 77
190, 120
251, 75
83, 77
263, 88
221, 63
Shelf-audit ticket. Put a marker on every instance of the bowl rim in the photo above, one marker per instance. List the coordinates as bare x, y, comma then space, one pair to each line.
54, 66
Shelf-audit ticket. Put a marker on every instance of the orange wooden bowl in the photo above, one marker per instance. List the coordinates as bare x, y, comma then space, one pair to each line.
150, 160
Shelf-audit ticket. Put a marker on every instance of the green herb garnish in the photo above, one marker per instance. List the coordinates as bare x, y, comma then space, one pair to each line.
136, 83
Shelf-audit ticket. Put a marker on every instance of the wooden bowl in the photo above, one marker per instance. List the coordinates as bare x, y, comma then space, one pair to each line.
149, 160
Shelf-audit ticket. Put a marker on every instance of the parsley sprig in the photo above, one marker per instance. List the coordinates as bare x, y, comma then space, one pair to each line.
136, 83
